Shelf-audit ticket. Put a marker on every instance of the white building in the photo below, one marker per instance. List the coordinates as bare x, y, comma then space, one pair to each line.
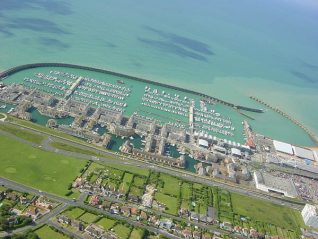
269, 183
304, 153
316, 154
236, 152
203, 143
310, 216
283, 147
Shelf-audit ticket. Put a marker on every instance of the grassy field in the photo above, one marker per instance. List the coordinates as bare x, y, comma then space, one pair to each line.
71, 148
126, 182
170, 202
88, 217
21, 133
131, 169
137, 234
74, 213
2, 189
122, 231
186, 190
106, 223
46, 232
139, 181
34, 167
171, 184
266, 212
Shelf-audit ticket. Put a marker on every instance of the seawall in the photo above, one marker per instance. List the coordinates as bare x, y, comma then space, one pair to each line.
295, 121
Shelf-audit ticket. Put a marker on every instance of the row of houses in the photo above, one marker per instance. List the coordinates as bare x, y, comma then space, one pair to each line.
92, 230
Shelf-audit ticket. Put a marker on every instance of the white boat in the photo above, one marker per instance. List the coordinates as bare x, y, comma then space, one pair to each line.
10, 110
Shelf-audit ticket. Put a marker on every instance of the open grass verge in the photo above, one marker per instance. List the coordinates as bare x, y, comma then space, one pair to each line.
36, 168
22, 133
71, 148
264, 211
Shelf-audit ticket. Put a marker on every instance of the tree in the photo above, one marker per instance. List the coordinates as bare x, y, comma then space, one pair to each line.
27, 235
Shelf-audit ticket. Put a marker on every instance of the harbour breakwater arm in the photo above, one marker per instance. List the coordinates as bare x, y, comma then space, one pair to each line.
204, 96
295, 121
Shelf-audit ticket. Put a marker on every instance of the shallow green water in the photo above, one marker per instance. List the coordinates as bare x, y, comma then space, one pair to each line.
134, 100
6, 107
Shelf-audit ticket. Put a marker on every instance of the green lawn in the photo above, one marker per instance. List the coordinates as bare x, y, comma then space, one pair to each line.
186, 190
46, 232
137, 233
22, 133
171, 185
2, 189
88, 217
126, 182
131, 169
136, 191
122, 231
170, 202
267, 212
74, 213
71, 148
106, 223
197, 186
34, 167
139, 181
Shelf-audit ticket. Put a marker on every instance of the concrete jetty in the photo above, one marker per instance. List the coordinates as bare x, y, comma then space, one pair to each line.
312, 135
73, 87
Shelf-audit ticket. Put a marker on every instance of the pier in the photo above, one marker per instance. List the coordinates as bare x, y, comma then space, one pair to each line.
295, 121
191, 117
73, 87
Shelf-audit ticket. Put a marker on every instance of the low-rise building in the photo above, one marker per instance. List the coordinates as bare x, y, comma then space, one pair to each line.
310, 215
269, 183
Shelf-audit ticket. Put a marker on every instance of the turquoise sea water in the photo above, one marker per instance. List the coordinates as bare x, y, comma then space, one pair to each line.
228, 49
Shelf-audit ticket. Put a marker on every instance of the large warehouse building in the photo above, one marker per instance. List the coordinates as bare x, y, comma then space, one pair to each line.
303, 153
269, 183
283, 147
